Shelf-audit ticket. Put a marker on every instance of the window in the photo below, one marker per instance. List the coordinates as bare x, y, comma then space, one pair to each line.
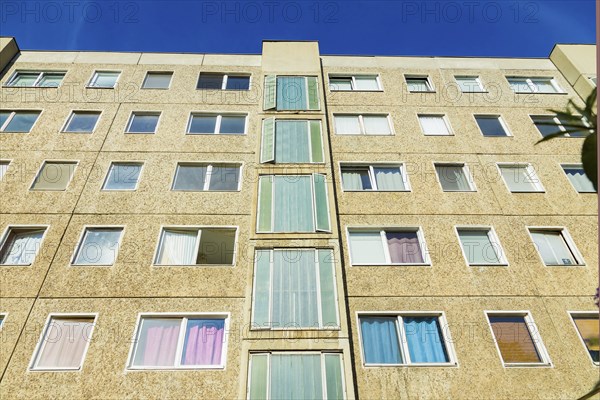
209, 80
21, 244
435, 125
534, 85
390, 246
293, 203
593, 79
82, 121
362, 124
491, 125
589, 332
122, 176
404, 339
2, 318
203, 177
291, 141
418, 84
520, 178
578, 178
64, 342
157, 80
291, 93
180, 342
3, 168
104, 79
480, 246
555, 246
226, 124
36, 79
54, 175
17, 121
356, 82
143, 122
296, 375
517, 339
469, 84
195, 246
98, 246
294, 289
379, 178
454, 177
550, 125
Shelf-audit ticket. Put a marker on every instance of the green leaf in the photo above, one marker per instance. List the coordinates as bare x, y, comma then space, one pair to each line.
589, 158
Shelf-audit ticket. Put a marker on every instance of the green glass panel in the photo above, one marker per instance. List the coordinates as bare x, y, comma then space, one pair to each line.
258, 377
326, 279
321, 204
265, 202
261, 287
316, 141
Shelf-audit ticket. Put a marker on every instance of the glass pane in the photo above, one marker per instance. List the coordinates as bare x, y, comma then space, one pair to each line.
468, 84
22, 121
54, 176
203, 343
579, 180
3, 168
424, 339
262, 288
366, 248
388, 178
404, 247
519, 85
546, 125
157, 80
232, 125
356, 178
519, 178
296, 377
333, 377
238, 83
64, 343
122, 176
490, 126
25, 79
478, 248
514, 339
143, 123
217, 247
328, 288
265, 204
82, 122
366, 83
418, 84
589, 330
99, 246
190, 177
380, 340
4, 117
292, 144
292, 93
293, 204
452, 178
321, 203
347, 125
203, 124
210, 81
433, 125
340, 84
258, 376
51, 79
224, 177
567, 124
157, 342
553, 248
544, 85
106, 79
177, 247
21, 246
376, 125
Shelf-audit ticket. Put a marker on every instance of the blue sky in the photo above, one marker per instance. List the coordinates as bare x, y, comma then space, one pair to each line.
421, 27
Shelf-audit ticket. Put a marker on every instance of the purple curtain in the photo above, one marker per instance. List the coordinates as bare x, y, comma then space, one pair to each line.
160, 339
203, 342
404, 247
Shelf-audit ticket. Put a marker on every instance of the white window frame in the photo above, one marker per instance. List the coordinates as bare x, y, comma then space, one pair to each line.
209, 168
572, 315
80, 242
444, 118
403, 345
72, 114
171, 73
536, 338
386, 251
492, 237
533, 89
94, 79
197, 228
566, 236
7, 231
41, 342
7, 162
429, 83
321, 327
361, 123
466, 172
225, 316
593, 79
477, 79
500, 119
143, 113
352, 78
537, 183
137, 183
573, 165
219, 115
72, 162
3, 317
370, 166
14, 112
41, 74
225, 78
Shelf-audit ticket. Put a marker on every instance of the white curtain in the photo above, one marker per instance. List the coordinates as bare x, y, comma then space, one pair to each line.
366, 248
347, 125
543, 85
478, 247
553, 248
580, 180
388, 178
376, 125
366, 83
64, 343
518, 178
352, 180
433, 125
21, 247
177, 248
452, 178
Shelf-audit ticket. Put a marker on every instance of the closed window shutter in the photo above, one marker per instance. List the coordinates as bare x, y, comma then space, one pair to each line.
316, 141
262, 284
270, 96
313, 93
268, 141
321, 203
265, 203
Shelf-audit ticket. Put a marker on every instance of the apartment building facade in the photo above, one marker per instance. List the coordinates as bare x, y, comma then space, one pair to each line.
293, 225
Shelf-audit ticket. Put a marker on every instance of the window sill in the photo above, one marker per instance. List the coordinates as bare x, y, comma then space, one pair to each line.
359, 91
365, 134
554, 93
47, 190
207, 191
192, 265
140, 133
225, 90
564, 265
99, 87
528, 191
30, 87
118, 190
459, 191
192, 368
13, 132
421, 91
91, 265
78, 132
55, 369
295, 329
155, 88
489, 265
436, 365
527, 365
214, 134
377, 191
15, 265
394, 265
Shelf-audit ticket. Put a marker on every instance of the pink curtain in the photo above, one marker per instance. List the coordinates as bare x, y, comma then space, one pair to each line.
404, 247
204, 342
158, 342
64, 343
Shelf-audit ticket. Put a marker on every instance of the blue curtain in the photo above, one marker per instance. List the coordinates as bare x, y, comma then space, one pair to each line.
380, 340
291, 93
425, 343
